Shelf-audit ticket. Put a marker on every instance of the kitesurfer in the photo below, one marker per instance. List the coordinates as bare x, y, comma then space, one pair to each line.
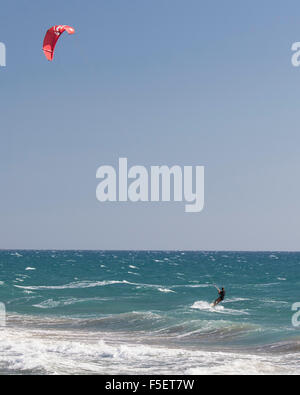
221, 297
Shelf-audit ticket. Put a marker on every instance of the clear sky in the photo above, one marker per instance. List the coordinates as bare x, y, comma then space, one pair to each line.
161, 82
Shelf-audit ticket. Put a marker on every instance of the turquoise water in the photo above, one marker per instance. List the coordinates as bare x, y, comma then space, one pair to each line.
148, 312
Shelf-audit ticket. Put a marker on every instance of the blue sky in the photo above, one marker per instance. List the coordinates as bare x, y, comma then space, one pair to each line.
159, 82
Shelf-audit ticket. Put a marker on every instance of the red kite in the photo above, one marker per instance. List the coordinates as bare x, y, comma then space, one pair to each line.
51, 38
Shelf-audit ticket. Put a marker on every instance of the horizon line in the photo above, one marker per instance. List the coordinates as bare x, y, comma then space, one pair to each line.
143, 250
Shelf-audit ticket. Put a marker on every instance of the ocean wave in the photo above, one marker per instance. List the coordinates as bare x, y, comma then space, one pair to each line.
192, 286
87, 284
51, 352
75, 285
284, 347
51, 304
150, 323
104, 283
134, 274
47, 304
202, 305
132, 321
273, 301
235, 300
207, 330
165, 290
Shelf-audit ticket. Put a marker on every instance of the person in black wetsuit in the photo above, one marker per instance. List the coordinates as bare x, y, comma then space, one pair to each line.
221, 297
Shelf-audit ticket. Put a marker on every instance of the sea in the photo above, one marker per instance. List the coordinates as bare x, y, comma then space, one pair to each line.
149, 312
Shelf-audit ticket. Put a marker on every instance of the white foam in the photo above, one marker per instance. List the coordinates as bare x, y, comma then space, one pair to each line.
165, 290
135, 274
202, 305
193, 286
273, 301
62, 352
51, 304
234, 300
47, 304
76, 285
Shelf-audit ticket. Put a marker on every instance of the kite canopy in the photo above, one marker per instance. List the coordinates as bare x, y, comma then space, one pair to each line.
51, 38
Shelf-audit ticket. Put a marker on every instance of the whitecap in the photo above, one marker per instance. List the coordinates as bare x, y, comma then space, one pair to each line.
135, 274
76, 285
202, 305
48, 304
165, 290
16, 254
